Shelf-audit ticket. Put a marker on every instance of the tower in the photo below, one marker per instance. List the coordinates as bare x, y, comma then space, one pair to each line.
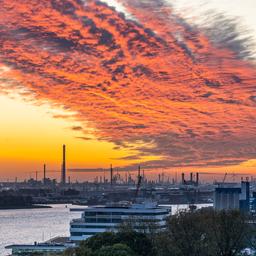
63, 169
44, 174
197, 178
183, 178
111, 175
191, 177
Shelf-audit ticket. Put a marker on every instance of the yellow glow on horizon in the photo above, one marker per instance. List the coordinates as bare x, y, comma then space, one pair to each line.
30, 136
250, 163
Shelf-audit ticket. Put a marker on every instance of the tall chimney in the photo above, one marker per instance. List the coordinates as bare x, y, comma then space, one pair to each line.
183, 178
111, 175
44, 173
63, 171
191, 177
197, 178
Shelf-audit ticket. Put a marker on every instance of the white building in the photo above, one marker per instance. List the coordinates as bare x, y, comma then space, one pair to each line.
98, 219
55, 246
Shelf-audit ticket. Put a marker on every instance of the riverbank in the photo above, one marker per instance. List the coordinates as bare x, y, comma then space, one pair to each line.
20, 207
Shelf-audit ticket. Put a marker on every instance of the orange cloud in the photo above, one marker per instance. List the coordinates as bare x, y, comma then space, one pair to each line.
156, 84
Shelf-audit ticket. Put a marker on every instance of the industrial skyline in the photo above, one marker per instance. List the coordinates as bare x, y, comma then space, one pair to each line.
115, 174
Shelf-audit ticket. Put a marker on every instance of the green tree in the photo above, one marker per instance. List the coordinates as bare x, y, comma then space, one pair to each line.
186, 234
97, 241
83, 251
138, 242
230, 232
115, 250
70, 252
204, 233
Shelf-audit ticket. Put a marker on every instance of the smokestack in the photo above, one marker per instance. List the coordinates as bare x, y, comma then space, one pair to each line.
197, 178
183, 178
191, 177
139, 171
111, 175
44, 173
63, 171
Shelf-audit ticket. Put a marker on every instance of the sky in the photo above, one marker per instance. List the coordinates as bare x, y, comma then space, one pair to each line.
169, 85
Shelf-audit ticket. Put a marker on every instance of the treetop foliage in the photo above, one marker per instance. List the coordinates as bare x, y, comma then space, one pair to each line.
202, 232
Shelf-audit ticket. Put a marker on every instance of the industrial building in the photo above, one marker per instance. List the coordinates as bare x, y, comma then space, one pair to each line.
55, 246
232, 197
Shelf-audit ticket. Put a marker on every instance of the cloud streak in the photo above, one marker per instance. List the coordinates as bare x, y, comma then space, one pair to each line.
154, 84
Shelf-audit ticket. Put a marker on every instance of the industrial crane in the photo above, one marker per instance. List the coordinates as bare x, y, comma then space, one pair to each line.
138, 185
224, 178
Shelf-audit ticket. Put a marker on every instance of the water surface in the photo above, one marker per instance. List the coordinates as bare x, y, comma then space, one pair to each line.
29, 225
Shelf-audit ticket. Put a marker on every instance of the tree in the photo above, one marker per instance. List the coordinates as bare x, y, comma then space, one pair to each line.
99, 240
251, 235
115, 250
83, 251
204, 233
69, 252
186, 234
137, 242
230, 231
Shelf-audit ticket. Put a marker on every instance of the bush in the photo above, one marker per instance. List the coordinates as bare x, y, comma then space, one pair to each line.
115, 250
136, 242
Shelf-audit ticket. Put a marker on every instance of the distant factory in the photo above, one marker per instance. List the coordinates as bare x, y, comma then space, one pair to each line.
230, 196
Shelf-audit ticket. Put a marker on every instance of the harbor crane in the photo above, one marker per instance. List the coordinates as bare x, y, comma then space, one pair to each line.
138, 184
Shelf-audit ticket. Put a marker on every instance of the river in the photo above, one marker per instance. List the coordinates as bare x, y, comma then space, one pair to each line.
29, 225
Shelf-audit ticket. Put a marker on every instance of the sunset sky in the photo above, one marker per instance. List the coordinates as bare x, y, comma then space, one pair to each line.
168, 84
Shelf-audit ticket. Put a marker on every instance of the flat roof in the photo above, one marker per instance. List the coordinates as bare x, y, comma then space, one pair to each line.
228, 190
36, 246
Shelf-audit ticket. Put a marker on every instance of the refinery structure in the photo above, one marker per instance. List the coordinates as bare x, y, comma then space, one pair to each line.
116, 184
119, 196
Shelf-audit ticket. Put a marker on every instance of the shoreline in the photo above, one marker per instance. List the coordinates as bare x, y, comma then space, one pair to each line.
25, 207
